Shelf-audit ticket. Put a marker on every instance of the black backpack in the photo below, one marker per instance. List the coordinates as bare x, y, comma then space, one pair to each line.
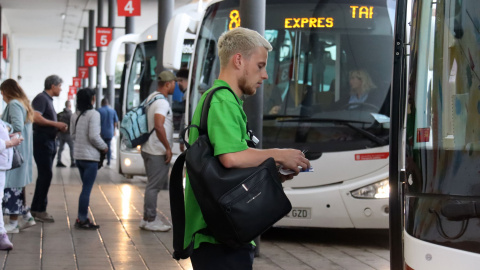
237, 204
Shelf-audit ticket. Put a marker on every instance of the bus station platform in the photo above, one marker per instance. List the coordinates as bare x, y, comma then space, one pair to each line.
116, 204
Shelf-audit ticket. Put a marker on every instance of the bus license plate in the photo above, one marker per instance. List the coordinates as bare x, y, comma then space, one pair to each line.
300, 213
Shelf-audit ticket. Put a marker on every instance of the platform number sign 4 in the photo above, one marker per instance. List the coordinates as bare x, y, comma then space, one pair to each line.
103, 36
90, 59
128, 8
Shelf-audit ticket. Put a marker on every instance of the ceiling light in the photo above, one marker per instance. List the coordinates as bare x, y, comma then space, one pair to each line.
63, 16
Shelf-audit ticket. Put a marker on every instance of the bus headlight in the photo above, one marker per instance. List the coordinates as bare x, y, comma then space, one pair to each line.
127, 162
376, 190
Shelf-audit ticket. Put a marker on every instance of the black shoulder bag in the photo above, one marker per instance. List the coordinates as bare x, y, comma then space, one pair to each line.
237, 204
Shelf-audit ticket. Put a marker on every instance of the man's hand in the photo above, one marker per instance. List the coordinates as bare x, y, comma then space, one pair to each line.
168, 156
62, 126
293, 159
105, 150
182, 147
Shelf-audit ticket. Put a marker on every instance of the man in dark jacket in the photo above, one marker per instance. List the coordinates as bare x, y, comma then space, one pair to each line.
64, 137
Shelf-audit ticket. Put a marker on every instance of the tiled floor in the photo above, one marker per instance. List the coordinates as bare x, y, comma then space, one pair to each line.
117, 204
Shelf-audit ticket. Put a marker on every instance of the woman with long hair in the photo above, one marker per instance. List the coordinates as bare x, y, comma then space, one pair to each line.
85, 131
19, 114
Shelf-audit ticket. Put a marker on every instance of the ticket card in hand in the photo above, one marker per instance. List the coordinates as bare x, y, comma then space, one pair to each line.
288, 171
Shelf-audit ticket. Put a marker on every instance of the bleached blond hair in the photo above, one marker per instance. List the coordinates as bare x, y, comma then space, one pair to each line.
239, 40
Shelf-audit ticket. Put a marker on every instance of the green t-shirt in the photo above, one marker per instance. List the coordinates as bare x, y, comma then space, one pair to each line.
227, 132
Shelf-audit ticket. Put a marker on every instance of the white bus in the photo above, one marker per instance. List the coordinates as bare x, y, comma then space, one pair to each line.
140, 74
440, 143
316, 43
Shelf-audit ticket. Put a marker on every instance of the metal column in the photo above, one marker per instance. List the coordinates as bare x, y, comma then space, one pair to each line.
110, 94
91, 30
165, 12
252, 14
83, 48
129, 29
99, 88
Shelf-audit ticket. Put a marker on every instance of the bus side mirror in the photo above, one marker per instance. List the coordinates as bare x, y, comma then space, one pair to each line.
174, 39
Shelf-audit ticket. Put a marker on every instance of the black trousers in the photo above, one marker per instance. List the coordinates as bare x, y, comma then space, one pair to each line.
220, 257
44, 150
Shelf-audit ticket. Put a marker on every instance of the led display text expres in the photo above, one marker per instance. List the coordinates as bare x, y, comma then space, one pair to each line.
309, 22
356, 12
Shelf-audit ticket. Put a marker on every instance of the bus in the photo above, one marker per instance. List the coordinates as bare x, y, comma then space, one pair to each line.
318, 46
437, 136
140, 76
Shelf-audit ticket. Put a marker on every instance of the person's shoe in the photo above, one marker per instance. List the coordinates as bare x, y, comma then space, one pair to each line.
61, 165
23, 224
5, 243
142, 224
156, 226
42, 217
10, 228
86, 225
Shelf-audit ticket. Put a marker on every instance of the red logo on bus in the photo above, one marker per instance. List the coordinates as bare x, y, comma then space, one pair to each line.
423, 135
371, 156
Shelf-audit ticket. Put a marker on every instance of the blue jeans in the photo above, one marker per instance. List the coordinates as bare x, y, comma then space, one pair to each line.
109, 153
88, 173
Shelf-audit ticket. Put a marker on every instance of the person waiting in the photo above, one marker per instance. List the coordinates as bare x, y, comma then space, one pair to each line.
64, 137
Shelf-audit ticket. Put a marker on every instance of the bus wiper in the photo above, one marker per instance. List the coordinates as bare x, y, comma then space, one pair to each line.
286, 116
368, 135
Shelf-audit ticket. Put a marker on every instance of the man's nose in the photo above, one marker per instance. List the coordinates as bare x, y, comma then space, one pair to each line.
265, 75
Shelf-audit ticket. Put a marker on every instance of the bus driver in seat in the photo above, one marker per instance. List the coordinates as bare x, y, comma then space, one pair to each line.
360, 86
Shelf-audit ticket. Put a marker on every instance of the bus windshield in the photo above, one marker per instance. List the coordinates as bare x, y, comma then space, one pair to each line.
329, 71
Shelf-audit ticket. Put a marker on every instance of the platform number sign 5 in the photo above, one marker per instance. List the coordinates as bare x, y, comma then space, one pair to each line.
103, 36
128, 8
90, 59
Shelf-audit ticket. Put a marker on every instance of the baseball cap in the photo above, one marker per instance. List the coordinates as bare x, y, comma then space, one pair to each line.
166, 76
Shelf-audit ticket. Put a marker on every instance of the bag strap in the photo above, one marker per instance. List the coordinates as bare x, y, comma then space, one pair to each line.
153, 99
78, 119
177, 209
204, 117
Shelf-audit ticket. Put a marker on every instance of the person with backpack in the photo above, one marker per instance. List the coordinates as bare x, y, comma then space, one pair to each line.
64, 137
243, 58
157, 150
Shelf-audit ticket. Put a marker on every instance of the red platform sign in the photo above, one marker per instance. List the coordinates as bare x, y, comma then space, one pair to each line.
423, 135
77, 82
103, 36
128, 8
72, 90
83, 72
90, 59
6, 49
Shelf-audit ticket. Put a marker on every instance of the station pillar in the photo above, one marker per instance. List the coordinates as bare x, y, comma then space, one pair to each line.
165, 12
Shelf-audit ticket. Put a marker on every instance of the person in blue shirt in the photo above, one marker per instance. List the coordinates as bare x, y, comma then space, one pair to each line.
109, 122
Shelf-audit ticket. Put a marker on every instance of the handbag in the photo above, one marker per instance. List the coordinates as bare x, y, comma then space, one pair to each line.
17, 158
237, 204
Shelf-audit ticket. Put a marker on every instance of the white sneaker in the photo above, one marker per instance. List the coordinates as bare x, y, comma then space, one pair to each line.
156, 226
23, 224
12, 228
142, 224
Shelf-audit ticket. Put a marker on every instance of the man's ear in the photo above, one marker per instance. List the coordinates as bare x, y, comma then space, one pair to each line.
238, 60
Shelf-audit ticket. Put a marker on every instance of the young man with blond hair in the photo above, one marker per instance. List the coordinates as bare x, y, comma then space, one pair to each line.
243, 58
